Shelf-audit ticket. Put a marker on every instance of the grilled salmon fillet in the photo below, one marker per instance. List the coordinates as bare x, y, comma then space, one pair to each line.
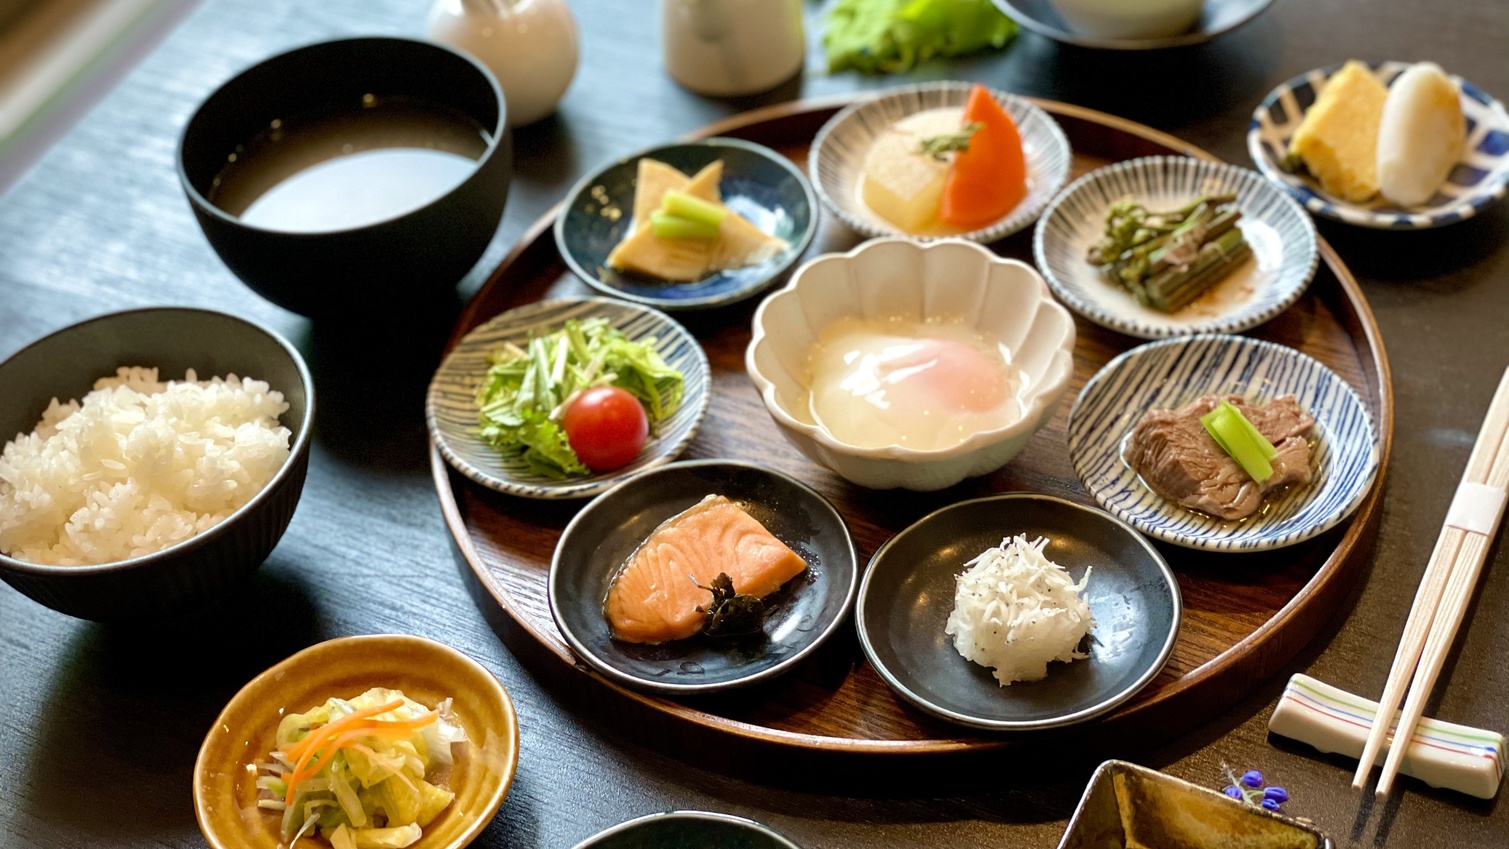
654, 598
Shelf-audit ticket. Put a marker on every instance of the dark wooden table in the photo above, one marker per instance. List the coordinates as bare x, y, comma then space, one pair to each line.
99, 725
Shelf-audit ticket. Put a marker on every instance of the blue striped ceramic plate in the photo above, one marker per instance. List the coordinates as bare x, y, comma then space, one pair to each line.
1171, 373
451, 406
1282, 238
838, 155
1479, 178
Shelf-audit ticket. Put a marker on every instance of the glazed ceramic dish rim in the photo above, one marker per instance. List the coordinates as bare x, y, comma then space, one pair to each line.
1017, 219
1201, 36
1171, 582
980, 439
1233, 322
1225, 544
652, 685
250, 689
299, 443
567, 489
1336, 209
712, 816
778, 267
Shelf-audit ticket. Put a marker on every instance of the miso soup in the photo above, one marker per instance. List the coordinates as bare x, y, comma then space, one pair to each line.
349, 166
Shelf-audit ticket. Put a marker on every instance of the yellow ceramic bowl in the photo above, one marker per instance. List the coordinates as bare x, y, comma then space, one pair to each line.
225, 792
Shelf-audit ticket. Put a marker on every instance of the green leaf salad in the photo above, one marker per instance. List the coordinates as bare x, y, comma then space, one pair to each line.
892, 36
363, 773
526, 390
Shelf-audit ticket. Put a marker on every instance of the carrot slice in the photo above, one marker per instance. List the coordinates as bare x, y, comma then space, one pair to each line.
988, 179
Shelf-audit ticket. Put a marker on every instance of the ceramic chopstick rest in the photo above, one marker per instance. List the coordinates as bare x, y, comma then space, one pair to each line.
1442, 754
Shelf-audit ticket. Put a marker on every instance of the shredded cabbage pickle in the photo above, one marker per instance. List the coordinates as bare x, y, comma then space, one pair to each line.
359, 772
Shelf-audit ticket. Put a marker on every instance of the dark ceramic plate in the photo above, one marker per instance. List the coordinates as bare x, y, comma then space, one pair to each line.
1218, 18
688, 830
801, 615
758, 183
908, 593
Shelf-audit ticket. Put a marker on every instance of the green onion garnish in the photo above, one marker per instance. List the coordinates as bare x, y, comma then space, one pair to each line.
1239, 438
683, 205
667, 226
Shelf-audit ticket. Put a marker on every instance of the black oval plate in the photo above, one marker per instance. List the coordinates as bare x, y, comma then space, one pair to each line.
908, 593
802, 614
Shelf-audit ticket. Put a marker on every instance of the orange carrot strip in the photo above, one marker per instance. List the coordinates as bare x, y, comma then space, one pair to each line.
310, 765
300, 748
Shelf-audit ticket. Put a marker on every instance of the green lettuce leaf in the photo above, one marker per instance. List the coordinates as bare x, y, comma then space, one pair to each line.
892, 36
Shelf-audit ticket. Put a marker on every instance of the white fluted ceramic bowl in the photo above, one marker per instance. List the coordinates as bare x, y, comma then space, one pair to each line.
890, 278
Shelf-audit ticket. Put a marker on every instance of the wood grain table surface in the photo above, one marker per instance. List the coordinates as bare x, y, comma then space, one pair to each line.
99, 725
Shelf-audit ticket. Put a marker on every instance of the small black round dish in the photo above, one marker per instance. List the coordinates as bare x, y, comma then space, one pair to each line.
1217, 18
908, 593
800, 615
758, 183
66, 364
688, 830
381, 266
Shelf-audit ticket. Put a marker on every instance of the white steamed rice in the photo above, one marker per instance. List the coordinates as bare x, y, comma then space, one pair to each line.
139, 466
1015, 610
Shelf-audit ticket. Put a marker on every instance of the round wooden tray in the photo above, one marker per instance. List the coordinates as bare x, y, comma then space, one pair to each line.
1245, 615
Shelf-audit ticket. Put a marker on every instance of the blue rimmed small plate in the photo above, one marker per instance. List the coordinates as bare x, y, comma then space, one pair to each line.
839, 150
451, 405
758, 183
1171, 373
1282, 237
1479, 178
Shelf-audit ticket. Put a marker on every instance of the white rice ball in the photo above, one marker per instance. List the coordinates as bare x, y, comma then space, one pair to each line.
1015, 610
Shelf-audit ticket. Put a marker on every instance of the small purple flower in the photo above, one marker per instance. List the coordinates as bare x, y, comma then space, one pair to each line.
1252, 778
1234, 792
1277, 794
1270, 804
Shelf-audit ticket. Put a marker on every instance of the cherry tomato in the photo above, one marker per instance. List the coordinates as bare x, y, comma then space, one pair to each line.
606, 427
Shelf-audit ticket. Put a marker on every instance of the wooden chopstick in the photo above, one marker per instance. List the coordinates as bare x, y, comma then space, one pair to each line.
1433, 585
1443, 630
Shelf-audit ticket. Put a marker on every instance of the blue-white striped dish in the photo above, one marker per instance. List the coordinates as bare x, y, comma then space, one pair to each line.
1281, 235
1479, 178
451, 406
837, 158
1169, 374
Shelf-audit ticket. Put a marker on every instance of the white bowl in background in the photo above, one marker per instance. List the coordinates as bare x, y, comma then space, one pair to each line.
1129, 18
900, 278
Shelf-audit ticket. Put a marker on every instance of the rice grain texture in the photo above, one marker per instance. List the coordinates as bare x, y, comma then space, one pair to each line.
138, 466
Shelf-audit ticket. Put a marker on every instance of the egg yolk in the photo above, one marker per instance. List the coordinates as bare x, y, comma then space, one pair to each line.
922, 385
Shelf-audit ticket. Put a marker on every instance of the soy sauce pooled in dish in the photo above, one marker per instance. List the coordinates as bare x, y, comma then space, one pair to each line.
349, 166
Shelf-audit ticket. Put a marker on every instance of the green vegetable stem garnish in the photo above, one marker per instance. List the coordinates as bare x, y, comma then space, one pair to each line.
892, 36
682, 216
1167, 259
1239, 438
730, 614
939, 146
526, 390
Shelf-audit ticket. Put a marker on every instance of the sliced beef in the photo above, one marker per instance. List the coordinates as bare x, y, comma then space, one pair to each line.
1180, 461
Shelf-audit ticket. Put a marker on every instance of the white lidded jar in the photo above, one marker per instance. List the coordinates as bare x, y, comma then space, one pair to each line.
530, 46
732, 47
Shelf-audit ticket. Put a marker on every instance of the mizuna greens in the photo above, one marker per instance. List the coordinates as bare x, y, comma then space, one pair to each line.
526, 391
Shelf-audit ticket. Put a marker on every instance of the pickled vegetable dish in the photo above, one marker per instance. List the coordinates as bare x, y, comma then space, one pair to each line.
363, 773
